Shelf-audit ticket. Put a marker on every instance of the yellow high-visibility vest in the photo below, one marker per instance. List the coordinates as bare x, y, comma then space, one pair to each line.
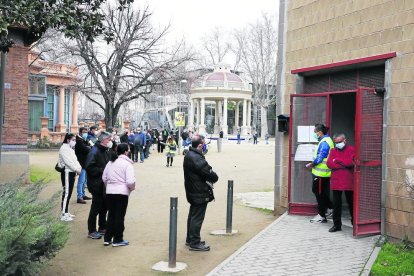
322, 169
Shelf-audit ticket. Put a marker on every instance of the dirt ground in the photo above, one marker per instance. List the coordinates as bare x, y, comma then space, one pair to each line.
147, 219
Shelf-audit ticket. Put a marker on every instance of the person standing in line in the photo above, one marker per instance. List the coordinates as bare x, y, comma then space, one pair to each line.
96, 162
321, 173
171, 149
198, 180
131, 139
140, 141
81, 150
341, 162
238, 137
119, 179
92, 135
255, 137
68, 161
124, 137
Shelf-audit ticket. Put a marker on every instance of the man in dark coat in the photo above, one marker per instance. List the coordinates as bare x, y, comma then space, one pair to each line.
96, 161
81, 150
198, 179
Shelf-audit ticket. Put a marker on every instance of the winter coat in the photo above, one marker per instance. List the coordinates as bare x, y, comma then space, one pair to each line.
196, 172
95, 164
119, 177
124, 138
140, 139
67, 159
81, 150
341, 162
170, 148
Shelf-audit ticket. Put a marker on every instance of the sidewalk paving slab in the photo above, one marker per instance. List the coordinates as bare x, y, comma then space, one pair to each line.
292, 245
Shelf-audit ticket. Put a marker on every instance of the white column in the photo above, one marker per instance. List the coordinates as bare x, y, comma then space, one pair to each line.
216, 118
224, 126
198, 113
244, 126
74, 126
202, 126
191, 115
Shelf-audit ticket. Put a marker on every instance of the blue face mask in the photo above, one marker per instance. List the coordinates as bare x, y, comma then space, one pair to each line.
84, 135
315, 136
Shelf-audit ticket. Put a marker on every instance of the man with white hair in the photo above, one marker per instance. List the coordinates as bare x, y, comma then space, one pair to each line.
95, 164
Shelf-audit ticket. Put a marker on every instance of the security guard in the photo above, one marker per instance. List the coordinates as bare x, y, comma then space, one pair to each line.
321, 173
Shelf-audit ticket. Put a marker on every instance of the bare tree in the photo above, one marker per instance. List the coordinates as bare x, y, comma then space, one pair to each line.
256, 47
215, 47
130, 65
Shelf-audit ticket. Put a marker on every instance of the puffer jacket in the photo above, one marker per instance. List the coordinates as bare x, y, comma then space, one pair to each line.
341, 162
119, 176
196, 172
95, 164
67, 159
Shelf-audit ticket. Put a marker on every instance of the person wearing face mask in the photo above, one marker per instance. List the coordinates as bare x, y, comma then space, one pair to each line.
68, 160
97, 158
321, 173
81, 150
341, 162
198, 180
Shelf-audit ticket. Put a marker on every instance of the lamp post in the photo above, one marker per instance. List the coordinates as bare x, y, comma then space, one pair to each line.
2, 73
179, 110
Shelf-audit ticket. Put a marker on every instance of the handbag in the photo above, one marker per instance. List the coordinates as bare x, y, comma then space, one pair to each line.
59, 169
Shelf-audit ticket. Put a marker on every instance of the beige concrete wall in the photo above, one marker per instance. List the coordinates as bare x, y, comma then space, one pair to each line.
326, 31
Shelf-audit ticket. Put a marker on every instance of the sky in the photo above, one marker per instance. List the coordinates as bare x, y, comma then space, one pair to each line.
193, 19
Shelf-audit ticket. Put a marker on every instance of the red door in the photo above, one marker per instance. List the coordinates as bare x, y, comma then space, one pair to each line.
306, 110
368, 159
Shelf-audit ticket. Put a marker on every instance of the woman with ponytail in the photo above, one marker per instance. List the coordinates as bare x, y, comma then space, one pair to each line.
119, 179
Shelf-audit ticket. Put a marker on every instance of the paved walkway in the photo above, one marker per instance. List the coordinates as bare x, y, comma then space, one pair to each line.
293, 246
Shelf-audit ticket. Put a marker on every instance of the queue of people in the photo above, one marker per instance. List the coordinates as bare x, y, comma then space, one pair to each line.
106, 169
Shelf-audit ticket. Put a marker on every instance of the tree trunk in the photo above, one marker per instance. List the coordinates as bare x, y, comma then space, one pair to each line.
263, 119
111, 114
254, 124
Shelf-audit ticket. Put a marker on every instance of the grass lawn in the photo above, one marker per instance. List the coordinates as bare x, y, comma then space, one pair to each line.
394, 259
41, 173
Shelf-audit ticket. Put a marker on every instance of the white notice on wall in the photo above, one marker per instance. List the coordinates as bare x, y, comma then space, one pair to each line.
305, 134
305, 152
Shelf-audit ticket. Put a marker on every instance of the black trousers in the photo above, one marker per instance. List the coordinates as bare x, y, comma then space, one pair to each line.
132, 151
117, 206
98, 207
194, 222
320, 188
160, 147
68, 181
337, 206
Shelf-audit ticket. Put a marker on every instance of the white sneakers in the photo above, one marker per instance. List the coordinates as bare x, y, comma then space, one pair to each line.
329, 213
67, 217
318, 219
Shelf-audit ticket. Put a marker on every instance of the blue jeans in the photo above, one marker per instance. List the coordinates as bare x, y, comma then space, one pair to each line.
81, 184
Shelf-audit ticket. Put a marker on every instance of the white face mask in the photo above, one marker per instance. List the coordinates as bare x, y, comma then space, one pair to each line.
340, 145
72, 144
109, 145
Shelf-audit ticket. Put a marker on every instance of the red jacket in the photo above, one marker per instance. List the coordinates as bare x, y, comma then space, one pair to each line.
341, 162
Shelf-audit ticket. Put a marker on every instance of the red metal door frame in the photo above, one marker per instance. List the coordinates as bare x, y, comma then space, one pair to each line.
305, 208
371, 226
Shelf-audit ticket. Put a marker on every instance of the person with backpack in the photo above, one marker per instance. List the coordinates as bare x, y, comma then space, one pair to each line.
68, 161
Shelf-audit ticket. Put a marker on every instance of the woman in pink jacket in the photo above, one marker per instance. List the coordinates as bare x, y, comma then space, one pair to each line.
119, 180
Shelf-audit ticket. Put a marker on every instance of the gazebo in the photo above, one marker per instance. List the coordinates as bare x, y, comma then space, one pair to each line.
220, 87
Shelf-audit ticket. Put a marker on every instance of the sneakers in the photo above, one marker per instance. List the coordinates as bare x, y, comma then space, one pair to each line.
167, 165
199, 247
106, 243
94, 235
329, 213
66, 217
72, 216
318, 219
122, 243
188, 244
101, 231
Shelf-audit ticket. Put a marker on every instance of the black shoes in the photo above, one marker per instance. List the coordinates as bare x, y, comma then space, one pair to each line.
81, 201
188, 244
199, 247
87, 198
335, 228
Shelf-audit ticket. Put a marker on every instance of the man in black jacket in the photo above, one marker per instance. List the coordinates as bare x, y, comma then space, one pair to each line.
96, 161
198, 179
81, 150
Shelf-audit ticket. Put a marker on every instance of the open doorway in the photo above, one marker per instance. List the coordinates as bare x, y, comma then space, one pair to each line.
343, 107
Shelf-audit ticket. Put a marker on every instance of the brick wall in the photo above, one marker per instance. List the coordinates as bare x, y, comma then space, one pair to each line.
15, 131
325, 31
